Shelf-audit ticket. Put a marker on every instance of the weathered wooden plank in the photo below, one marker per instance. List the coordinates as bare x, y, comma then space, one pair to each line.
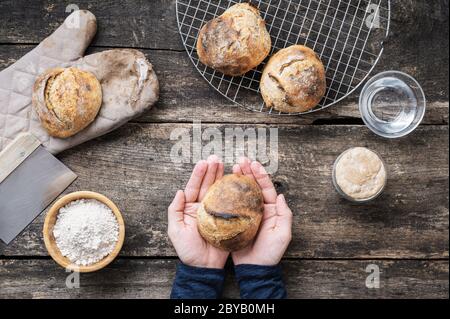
152, 24
153, 279
130, 23
185, 97
410, 220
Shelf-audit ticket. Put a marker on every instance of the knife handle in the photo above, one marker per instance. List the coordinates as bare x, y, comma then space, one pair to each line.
16, 152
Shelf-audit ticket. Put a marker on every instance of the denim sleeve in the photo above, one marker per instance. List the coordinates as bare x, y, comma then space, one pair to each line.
197, 283
260, 282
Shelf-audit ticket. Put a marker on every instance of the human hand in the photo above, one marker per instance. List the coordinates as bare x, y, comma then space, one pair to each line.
275, 232
190, 246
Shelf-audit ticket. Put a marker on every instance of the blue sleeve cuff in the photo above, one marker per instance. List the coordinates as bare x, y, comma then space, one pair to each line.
260, 282
197, 283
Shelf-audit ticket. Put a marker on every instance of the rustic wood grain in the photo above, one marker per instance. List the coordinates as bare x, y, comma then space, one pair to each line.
186, 96
130, 23
338, 239
132, 166
153, 279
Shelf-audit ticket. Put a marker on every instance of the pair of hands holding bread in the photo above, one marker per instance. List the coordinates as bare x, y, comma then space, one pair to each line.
274, 233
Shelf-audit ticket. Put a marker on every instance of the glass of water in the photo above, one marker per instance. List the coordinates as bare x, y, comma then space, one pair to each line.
392, 104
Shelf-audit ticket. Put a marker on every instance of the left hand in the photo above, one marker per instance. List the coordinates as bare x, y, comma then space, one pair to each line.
190, 246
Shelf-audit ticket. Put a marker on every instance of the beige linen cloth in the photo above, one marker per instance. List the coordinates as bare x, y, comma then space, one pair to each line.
129, 83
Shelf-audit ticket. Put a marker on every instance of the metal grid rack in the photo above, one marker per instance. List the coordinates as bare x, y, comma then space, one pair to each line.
348, 36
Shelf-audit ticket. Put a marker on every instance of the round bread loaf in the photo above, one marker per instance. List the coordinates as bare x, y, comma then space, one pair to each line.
231, 212
235, 42
70, 101
293, 80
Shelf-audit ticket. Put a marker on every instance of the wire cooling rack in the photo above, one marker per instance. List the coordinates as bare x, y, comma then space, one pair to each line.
348, 36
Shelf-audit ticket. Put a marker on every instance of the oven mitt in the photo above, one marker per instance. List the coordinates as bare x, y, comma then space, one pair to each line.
129, 84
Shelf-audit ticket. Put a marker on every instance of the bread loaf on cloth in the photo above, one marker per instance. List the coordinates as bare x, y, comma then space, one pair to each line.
235, 42
66, 100
231, 212
128, 86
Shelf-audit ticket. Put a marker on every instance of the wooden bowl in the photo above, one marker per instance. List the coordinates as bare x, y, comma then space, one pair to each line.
50, 242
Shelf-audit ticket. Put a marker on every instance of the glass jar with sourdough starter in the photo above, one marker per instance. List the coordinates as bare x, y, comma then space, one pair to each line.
359, 175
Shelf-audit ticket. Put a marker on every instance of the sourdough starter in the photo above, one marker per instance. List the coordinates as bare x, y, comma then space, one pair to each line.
360, 174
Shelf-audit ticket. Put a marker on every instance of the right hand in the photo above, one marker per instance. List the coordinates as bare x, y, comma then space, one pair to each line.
275, 232
190, 246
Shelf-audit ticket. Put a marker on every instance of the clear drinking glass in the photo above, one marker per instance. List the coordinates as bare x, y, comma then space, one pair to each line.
392, 104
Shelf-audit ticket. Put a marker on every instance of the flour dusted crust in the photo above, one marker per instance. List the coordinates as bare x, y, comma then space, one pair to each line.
293, 80
70, 100
235, 42
360, 173
231, 212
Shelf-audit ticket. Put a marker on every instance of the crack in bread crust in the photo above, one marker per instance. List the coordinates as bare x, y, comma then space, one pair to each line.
288, 64
49, 104
223, 215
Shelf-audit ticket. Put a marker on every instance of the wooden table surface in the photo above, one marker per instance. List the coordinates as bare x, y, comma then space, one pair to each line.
405, 232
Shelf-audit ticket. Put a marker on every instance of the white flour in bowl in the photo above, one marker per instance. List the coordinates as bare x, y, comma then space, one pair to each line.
86, 231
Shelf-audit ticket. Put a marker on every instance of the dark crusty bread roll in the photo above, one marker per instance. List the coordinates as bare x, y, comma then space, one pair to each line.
235, 42
293, 80
70, 101
231, 212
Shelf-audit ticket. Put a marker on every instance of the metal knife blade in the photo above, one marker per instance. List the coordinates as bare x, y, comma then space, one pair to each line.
29, 189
